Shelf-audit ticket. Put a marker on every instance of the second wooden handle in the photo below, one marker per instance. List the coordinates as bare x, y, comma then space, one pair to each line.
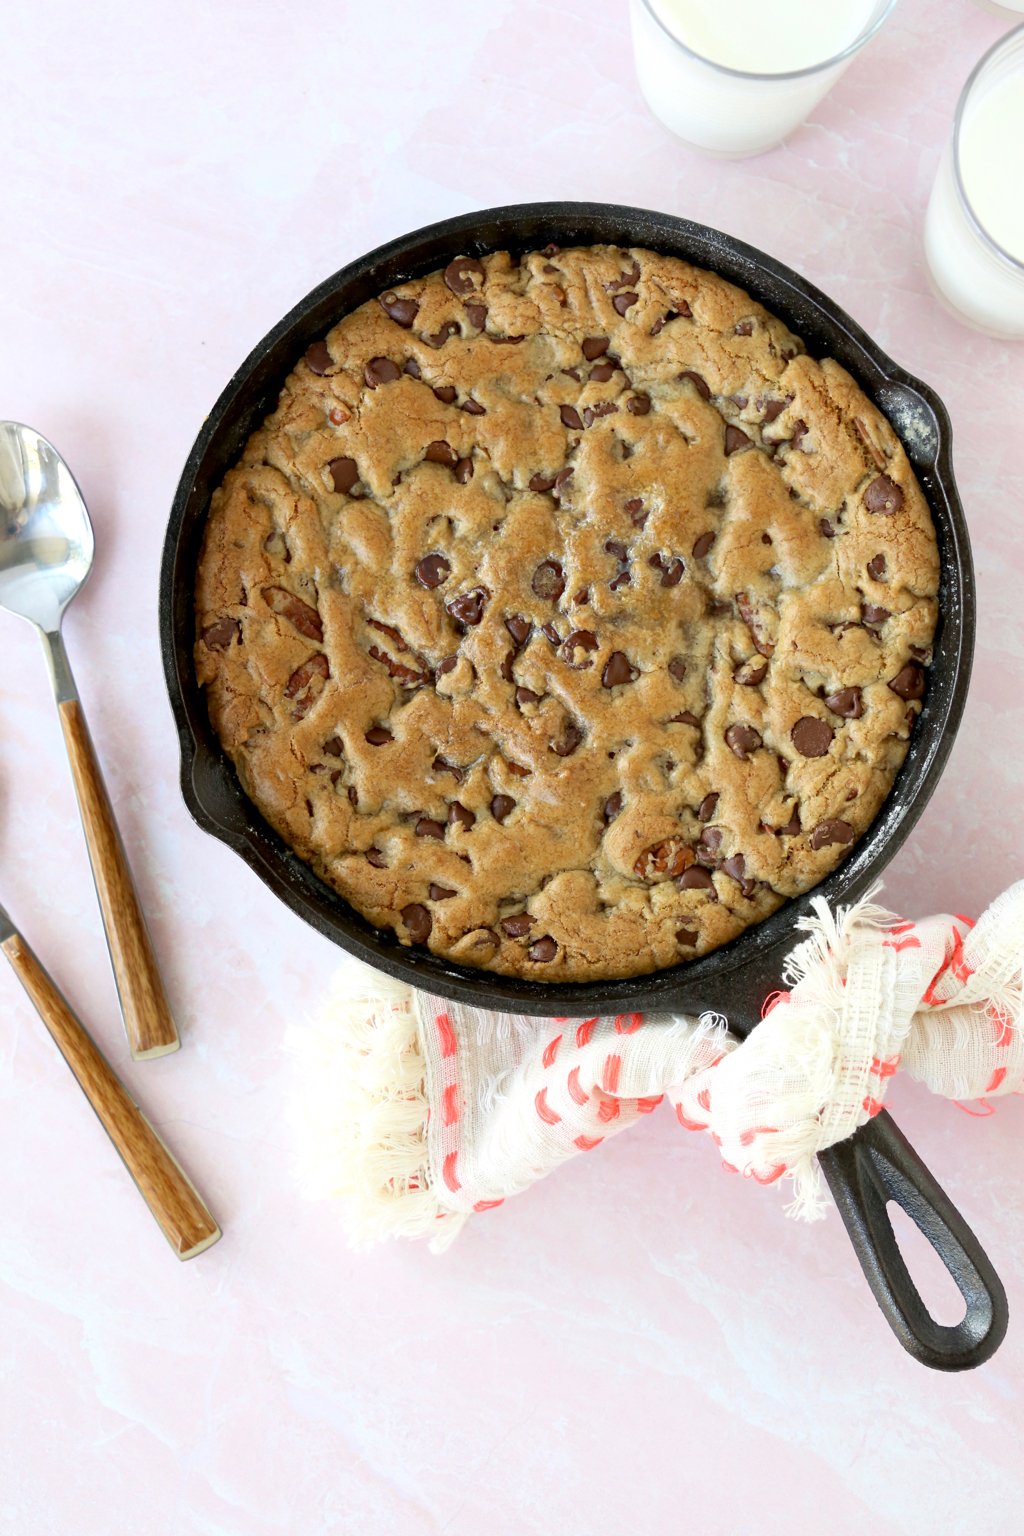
147, 1017
173, 1199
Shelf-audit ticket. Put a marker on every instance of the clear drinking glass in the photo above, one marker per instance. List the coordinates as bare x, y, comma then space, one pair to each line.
731, 111
975, 275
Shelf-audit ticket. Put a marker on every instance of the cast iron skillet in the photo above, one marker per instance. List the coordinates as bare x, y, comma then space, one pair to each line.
876, 1164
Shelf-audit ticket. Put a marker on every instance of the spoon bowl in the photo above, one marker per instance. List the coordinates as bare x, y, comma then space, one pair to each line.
46, 538
46, 552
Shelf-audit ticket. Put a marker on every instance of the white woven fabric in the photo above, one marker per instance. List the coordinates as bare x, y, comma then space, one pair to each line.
421, 1111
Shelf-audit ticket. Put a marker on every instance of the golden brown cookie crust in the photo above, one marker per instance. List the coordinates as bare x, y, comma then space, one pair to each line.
565, 615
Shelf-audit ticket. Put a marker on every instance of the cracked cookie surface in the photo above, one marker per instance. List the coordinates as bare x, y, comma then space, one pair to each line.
565, 615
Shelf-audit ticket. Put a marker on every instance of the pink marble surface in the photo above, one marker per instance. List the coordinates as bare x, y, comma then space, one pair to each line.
642, 1342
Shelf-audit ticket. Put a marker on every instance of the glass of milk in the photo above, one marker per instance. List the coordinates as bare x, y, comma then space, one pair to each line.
974, 230
736, 76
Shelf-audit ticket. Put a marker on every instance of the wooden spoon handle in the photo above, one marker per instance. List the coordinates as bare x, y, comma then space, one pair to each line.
147, 1017
180, 1211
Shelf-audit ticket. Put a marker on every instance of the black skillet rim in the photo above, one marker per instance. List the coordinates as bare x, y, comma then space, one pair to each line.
209, 784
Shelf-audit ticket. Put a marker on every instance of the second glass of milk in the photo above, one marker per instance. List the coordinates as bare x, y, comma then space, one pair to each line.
735, 78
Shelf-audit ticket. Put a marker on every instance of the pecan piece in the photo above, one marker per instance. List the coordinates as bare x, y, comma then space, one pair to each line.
665, 860
287, 606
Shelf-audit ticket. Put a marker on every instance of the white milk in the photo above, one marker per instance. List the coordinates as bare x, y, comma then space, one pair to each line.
985, 285
686, 51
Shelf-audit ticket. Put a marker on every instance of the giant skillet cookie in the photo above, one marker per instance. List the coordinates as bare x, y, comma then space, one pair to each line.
565, 615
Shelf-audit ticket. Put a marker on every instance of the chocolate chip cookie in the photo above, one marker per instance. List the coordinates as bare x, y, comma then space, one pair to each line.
565, 615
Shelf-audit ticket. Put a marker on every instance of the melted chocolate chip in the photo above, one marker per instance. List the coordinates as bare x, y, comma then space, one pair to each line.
703, 544
446, 393
742, 739
828, 832
735, 868
376, 858
735, 439
594, 346
677, 668
698, 383
551, 633
543, 950
872, 616
318, 358
570, 417
612, 806
617, 670
517, 925
381, 370
826, 529
562, 480
449, 329
876, 568
440, 452
583, 640
707, 807
624, 301
476, 314
909, 682
751, 673
432, 571
222, 634
526, 696
427, 828
418, 922
458, 813
883, 495
541, 482
685, 718
601, 373
572, 735
687, 937
697, 878
472, 408
402, 311
377, 736
846, 702
440, 892
412, 368
344, 473
549, 581
464, 471
639, 405
812, 737
468, 608
707, 848
447, 664
519, 628
464, 275
502, 806
744, 328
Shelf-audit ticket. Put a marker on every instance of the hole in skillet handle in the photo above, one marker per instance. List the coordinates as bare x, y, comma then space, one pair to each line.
877, 1165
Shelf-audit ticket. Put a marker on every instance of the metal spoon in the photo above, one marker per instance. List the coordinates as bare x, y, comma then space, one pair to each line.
46, 550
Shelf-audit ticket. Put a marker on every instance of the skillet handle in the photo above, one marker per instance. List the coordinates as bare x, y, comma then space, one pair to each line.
877, 1164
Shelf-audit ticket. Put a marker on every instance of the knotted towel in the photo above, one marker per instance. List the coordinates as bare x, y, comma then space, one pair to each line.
422, 1111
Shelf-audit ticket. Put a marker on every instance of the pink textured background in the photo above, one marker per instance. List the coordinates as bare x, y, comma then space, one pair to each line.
642, 1343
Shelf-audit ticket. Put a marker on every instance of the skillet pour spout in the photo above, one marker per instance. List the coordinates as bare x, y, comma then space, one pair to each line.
874, 1166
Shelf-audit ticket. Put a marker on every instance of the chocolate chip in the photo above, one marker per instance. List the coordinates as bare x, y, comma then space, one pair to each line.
552, 633
570, 418
468, 608
517, 925
773, 409
612, 806
464, 275
472, 408
826, 529
707, 848
447, 664
706, 809
735, 439
594, 346
583, 640
703, 544
873, 617
876, 568
526, 696
639, 405
440, 892
476, 314
450, 328
344, 473
623, 579
219, 635
464, 471
623, 301
446, 393
687, 937
846, 702
617, 670
742, 739
549, 581
697, 878
502, 806
377, 736
686, 718
601, 373
302, 681
541, 482
812, 737
440, 452
698, 383
381, 370
827, 832
376, 858
883, 495
792, 827
427, 828
562, 480
442, 765
592, 412
412, 368
318, 358
432, 571
672, 572
572, 735
677, 668
735, 868
751, 673
333, 747
613, 547
545, 949
418, 922
909, 683
519, 628
402, 311
458, 813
